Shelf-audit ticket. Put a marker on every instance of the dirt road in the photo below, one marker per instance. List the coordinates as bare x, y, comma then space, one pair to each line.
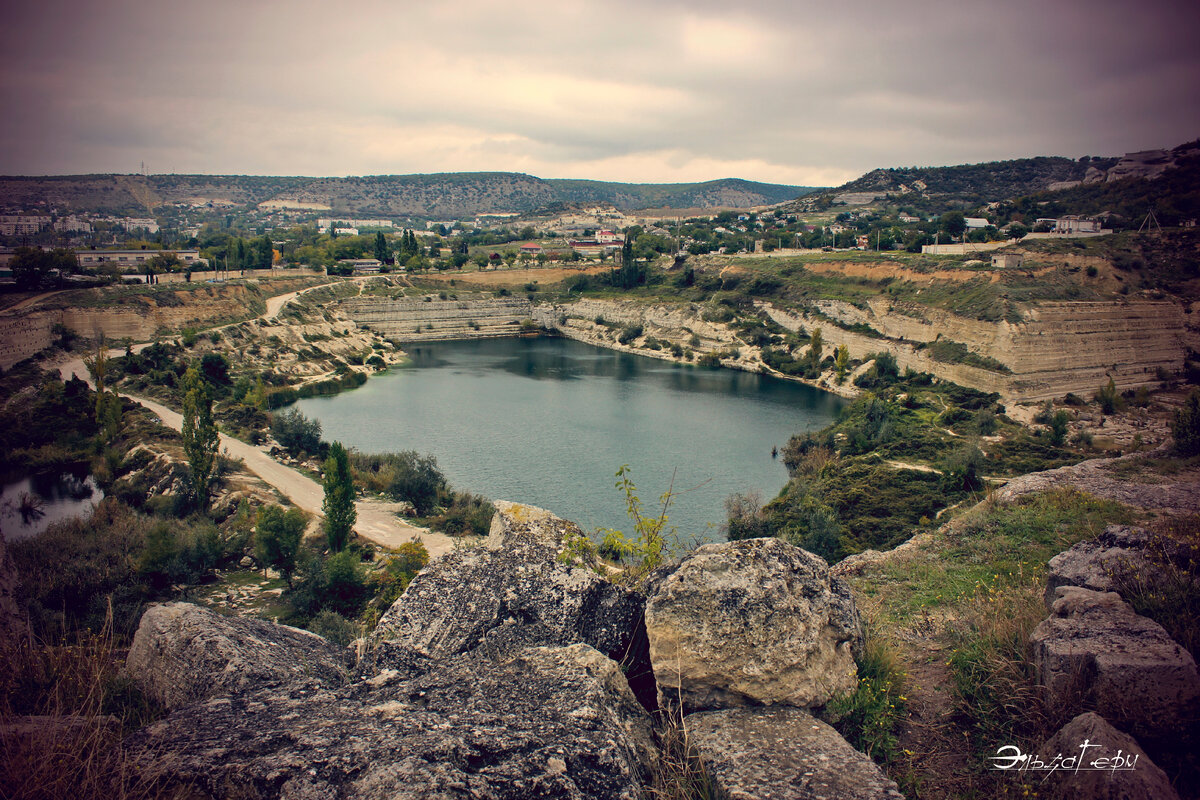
375, 522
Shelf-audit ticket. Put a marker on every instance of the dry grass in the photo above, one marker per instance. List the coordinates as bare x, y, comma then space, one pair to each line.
65, 710
680, 773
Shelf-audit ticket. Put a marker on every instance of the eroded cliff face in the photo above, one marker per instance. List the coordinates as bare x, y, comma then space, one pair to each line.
141, 318
1055, 349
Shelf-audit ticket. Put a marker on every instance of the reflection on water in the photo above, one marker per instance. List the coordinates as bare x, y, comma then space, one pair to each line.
549, 421
30, 505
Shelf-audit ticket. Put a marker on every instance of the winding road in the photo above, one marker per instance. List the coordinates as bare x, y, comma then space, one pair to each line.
376, 521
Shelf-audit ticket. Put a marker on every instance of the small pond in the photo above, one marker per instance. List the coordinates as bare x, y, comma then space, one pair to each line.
30, 505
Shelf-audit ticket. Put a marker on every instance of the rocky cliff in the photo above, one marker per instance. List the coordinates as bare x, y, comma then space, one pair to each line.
1056, 347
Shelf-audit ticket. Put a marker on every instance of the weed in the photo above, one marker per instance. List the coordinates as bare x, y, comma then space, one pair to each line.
869, 718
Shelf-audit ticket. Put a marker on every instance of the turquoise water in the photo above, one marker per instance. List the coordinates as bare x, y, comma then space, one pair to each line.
549, 421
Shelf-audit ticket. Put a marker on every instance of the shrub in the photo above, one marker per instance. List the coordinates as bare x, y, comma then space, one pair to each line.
961, 472
629, 333
296, 433
402, 476
1185, 427
334, 627
1109, 398
465, 515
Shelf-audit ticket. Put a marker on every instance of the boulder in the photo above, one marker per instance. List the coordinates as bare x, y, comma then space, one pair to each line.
545, 723
752, 622
516, 526
512, 593
783, 754
1097, 563
1095, 649
1108, 765
182, 653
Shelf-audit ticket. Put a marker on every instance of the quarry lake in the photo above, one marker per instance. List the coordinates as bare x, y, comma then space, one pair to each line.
548, 422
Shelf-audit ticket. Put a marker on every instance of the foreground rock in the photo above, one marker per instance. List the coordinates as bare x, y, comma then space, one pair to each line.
1095, 649
1112, 766
512, 593
783, 754
546, 723
1099, 563
755, 622
524, 527
182, 653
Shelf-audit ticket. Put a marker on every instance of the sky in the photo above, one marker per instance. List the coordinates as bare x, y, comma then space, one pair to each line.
781, 91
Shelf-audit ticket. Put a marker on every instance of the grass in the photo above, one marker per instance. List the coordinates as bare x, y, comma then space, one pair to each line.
988, 550
72, 706
870, 717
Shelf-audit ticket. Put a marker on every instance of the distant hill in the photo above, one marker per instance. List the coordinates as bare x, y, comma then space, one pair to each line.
962, 186
437, 196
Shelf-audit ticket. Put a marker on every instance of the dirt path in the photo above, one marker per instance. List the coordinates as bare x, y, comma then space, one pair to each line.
375, 522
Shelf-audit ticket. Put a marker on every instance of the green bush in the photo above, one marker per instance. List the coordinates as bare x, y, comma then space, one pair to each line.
629, 333
1185, 427
296, 433
402, 476
334, 627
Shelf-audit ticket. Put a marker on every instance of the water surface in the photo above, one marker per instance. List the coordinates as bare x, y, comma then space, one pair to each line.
32, 504
549, 421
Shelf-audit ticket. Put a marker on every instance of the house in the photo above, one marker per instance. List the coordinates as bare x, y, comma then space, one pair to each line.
1076, 224
531, 249
134, 258
977, 223
909, 218
1007, 260
362, 266
609, 237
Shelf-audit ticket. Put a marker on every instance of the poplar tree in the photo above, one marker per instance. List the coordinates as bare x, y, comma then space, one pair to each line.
200, 437
340, 514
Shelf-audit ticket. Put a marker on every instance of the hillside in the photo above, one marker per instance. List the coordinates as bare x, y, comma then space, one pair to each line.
437, 196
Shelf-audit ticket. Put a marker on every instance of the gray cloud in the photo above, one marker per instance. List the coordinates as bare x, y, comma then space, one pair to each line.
810, 92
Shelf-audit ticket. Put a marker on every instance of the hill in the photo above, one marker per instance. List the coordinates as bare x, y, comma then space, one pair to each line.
435, 196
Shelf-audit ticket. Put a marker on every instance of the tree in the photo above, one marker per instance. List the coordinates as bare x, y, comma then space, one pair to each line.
200, 437
842, 362
381, 248
954, 223
277, 538
816, 344
295, 432
338, 506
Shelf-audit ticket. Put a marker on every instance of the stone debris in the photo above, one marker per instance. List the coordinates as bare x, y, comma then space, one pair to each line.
1095, 648
1112, 765
783, 754
545, 723
1096, 564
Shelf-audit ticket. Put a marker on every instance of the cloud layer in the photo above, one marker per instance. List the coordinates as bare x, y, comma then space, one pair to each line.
787, 92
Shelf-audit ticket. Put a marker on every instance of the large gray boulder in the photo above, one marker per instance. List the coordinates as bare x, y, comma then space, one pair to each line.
1096, 650
1111, 766
545, 723
753, 622
783, 754
182, 653
1098, 563
520, 526
514, 592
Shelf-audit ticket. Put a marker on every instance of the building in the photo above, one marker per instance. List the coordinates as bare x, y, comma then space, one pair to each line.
135, 258
341, 222
23, 224
1070, 224
976, 223
609, 237
531, 249
73, 224
1007, 260
909, 218
362, 266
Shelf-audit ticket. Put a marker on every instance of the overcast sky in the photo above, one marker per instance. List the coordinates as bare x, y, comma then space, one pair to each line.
810, 93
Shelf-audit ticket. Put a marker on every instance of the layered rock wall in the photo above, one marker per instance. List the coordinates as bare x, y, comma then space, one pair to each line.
1055, 349
409, 319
